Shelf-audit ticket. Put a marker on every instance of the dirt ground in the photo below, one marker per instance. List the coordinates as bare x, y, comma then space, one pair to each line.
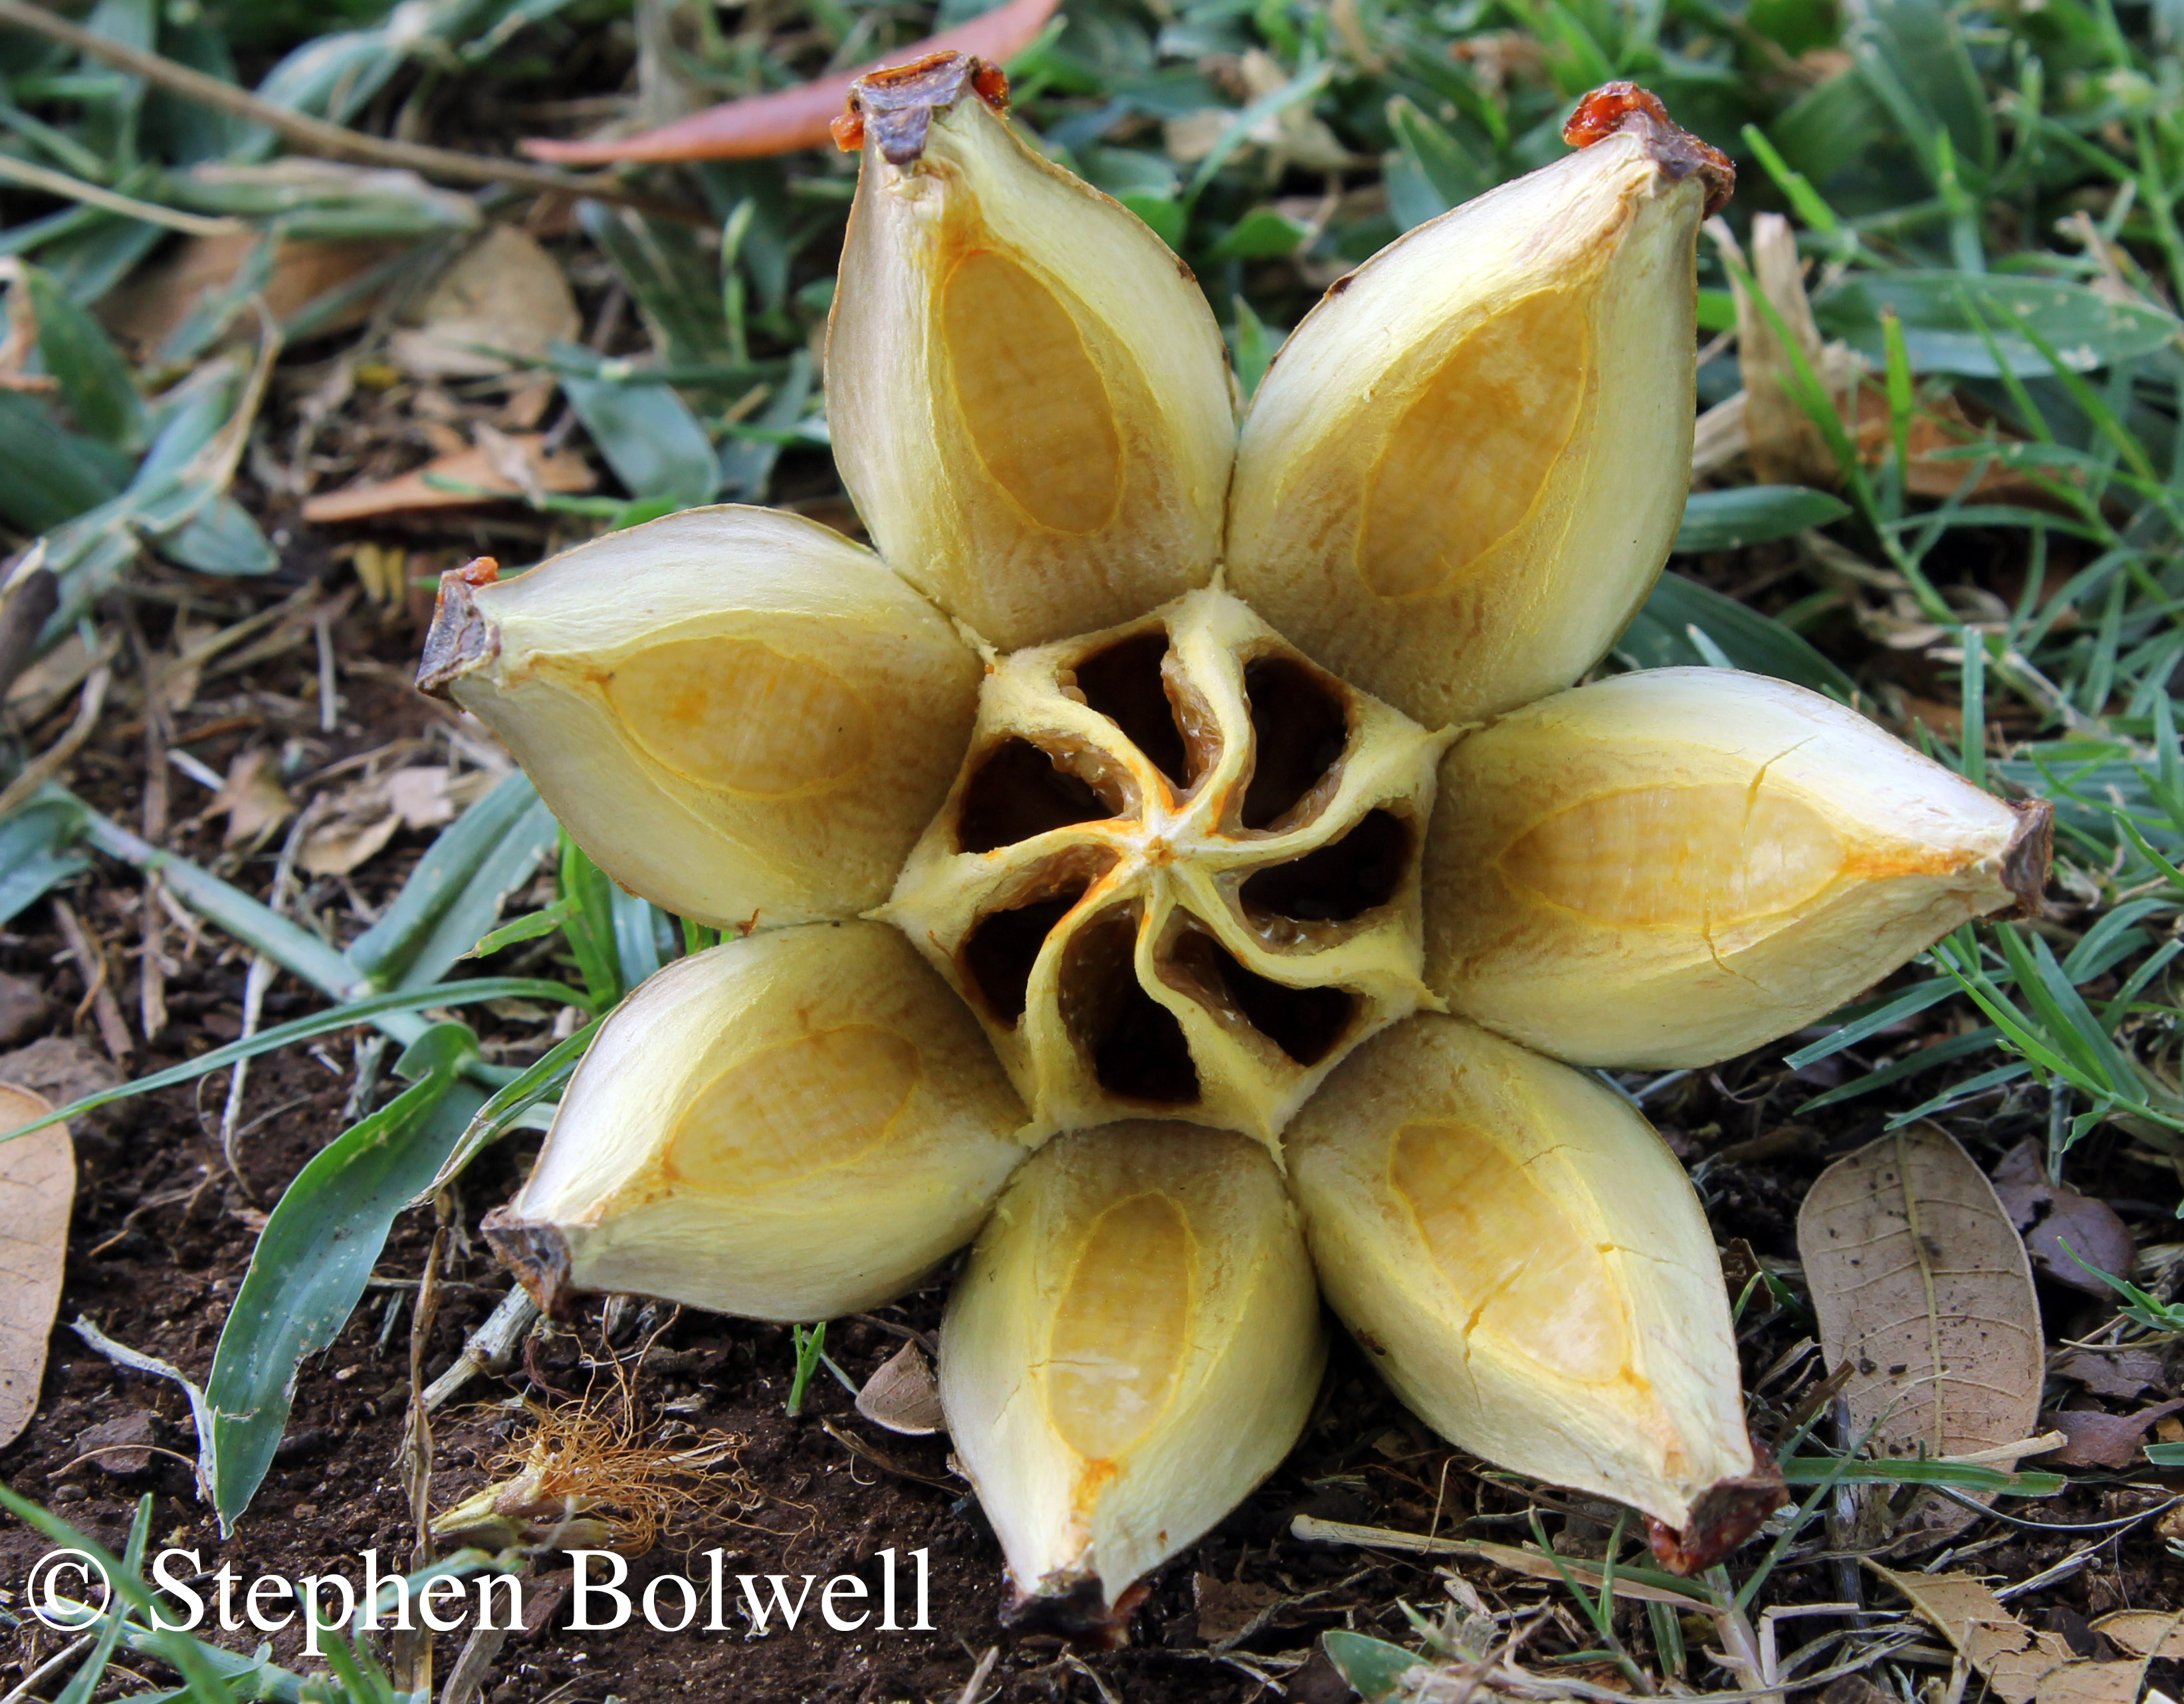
164, 1230
163, 1233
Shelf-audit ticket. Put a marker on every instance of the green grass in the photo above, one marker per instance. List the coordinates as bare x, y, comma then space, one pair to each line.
1987, 196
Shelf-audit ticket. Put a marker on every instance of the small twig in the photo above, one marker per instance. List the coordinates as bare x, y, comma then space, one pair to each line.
51, 1666
969, 1694
489, 1348
69, 188
30, 596
255, 984
467, 1678
311, 135
413, 1653
92, 963
322, 629
136, 1361
44, 767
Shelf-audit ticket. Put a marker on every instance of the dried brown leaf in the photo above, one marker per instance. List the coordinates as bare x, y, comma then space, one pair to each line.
155, 299
2145, 1632
37, 1189
505, 293
559, 471
902, 1395
1922, 1288
2121, 1372
252, 799
1960, 1606
2064, 1232
334, 848
2098, 1440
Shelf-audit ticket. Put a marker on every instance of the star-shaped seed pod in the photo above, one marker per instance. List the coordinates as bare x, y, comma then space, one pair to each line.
1179, 860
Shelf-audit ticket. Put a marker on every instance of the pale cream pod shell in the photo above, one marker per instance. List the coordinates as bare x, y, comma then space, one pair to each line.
1028, 397
1670, 867
792, 1127
738, 714
1525, 1263
1134, 1344
1460, 477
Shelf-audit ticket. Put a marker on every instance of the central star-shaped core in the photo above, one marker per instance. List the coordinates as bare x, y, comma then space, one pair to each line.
1178, 875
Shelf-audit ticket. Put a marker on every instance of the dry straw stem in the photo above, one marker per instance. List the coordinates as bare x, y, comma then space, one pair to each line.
311, 135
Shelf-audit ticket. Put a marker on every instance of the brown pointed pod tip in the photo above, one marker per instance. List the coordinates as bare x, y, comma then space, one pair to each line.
538, 1256
460, 638
1080, 1613
1723, 1517
1613, 108
2025, 864
895, 104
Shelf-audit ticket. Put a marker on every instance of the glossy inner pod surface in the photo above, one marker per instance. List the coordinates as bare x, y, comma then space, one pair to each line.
1179, 873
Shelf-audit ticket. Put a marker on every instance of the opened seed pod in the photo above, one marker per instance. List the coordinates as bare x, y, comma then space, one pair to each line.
1205, 854
1668, 868
1178, 873
1134, 1344
1481, 440
789, 1128
739, 715
1526, 1264
1028, 394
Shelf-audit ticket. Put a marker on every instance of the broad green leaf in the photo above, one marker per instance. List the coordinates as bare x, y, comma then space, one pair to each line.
673, 282
454, 894
1373, 1666
2087, 329
1263, 234
1753, 515
1169, 217
49, 474
647, 433
341, 1017
94, 381
1914, 55
221, 538
1682, 618
1445, 166
1967, 1476
316, 1253
509, 1103
36, 855
527, 927
325, 201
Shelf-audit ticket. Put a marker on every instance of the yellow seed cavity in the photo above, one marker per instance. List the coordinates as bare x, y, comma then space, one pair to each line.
1682, 857
739, 716
1119, 1335
1521, 1266
1030, 397
1471, 455
793, 1109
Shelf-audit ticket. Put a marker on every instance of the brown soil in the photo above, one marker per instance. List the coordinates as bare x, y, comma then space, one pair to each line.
164, 1232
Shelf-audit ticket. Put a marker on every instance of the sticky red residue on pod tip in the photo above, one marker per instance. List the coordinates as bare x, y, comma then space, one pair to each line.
479, 571
1614, 107
848, 128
